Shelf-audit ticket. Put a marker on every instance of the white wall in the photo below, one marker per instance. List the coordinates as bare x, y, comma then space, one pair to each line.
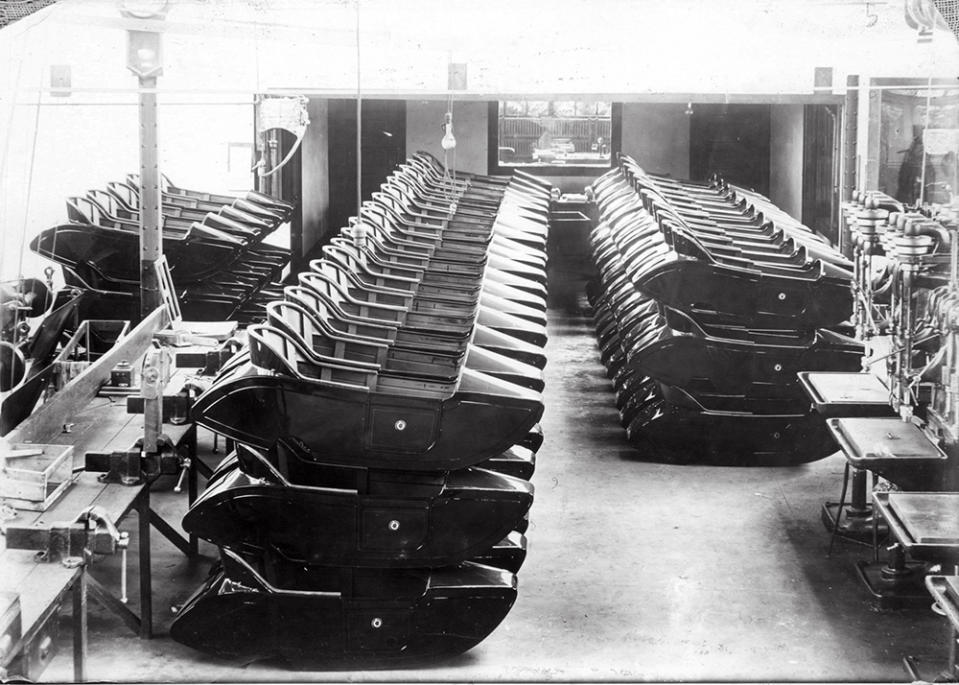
521, 48
657, 137
786, 158
424, 121
83, 146
53, 152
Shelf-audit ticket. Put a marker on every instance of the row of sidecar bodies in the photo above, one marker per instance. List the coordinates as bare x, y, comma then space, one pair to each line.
220, 261
221, 269
707, 302
385, 416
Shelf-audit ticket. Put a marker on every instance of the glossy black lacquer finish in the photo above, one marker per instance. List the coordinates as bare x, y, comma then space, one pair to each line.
708, 302
385, 414
213, 244
318, 617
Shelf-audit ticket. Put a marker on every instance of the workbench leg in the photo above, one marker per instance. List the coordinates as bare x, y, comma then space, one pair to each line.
860, 493
80, 627
951, 668
146, 579
192, 487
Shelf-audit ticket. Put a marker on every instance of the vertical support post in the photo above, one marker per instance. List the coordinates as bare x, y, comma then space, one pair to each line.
952, 668
870, 168
850, 128
359, 119
144, 563
192, 485
875, 539
151, 233
859, 502
925, 126
80, 626
835, 169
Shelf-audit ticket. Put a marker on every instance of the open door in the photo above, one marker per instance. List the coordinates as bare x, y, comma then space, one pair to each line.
821, 170
733, 141
383, 146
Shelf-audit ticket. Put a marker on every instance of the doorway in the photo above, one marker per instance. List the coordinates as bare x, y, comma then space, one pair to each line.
732, 141
820, 170
383, 146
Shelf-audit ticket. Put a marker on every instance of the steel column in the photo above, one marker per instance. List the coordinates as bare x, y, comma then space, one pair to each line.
151, 232
850, 128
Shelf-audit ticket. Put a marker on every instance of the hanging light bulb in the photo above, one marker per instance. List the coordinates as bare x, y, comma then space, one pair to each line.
449, 141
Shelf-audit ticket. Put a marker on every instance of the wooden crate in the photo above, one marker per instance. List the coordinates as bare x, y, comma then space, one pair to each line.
34, 476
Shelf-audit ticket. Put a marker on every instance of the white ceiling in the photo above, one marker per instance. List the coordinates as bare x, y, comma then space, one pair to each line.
236, 47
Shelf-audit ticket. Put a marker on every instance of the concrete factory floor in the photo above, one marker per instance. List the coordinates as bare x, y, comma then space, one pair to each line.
636, 570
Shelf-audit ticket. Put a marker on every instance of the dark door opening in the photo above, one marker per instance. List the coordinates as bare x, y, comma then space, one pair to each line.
383, 146
732, 141
820, 170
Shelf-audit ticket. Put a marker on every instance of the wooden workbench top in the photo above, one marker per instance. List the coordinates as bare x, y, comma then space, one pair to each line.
104, 426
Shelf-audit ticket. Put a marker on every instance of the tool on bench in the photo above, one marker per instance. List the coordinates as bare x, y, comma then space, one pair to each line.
136, 465
72, 543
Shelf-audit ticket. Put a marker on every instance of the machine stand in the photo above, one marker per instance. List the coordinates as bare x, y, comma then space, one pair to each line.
854, 521
897, 580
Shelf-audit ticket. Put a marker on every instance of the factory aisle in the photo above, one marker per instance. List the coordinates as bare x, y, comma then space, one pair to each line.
636, 570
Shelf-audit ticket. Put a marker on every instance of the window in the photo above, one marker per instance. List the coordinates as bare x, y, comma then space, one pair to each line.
918, 136
553, 136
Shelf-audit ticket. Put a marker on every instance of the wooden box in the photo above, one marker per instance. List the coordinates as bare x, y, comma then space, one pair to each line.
34, 476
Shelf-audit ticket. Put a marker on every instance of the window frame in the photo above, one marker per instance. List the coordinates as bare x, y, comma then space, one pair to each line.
495, 168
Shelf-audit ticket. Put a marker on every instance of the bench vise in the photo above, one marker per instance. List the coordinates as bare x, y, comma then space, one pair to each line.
71, 543
176, 409
135, 466
208, 361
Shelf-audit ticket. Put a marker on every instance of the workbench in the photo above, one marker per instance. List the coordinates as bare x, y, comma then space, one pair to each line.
103, 425
42, 589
